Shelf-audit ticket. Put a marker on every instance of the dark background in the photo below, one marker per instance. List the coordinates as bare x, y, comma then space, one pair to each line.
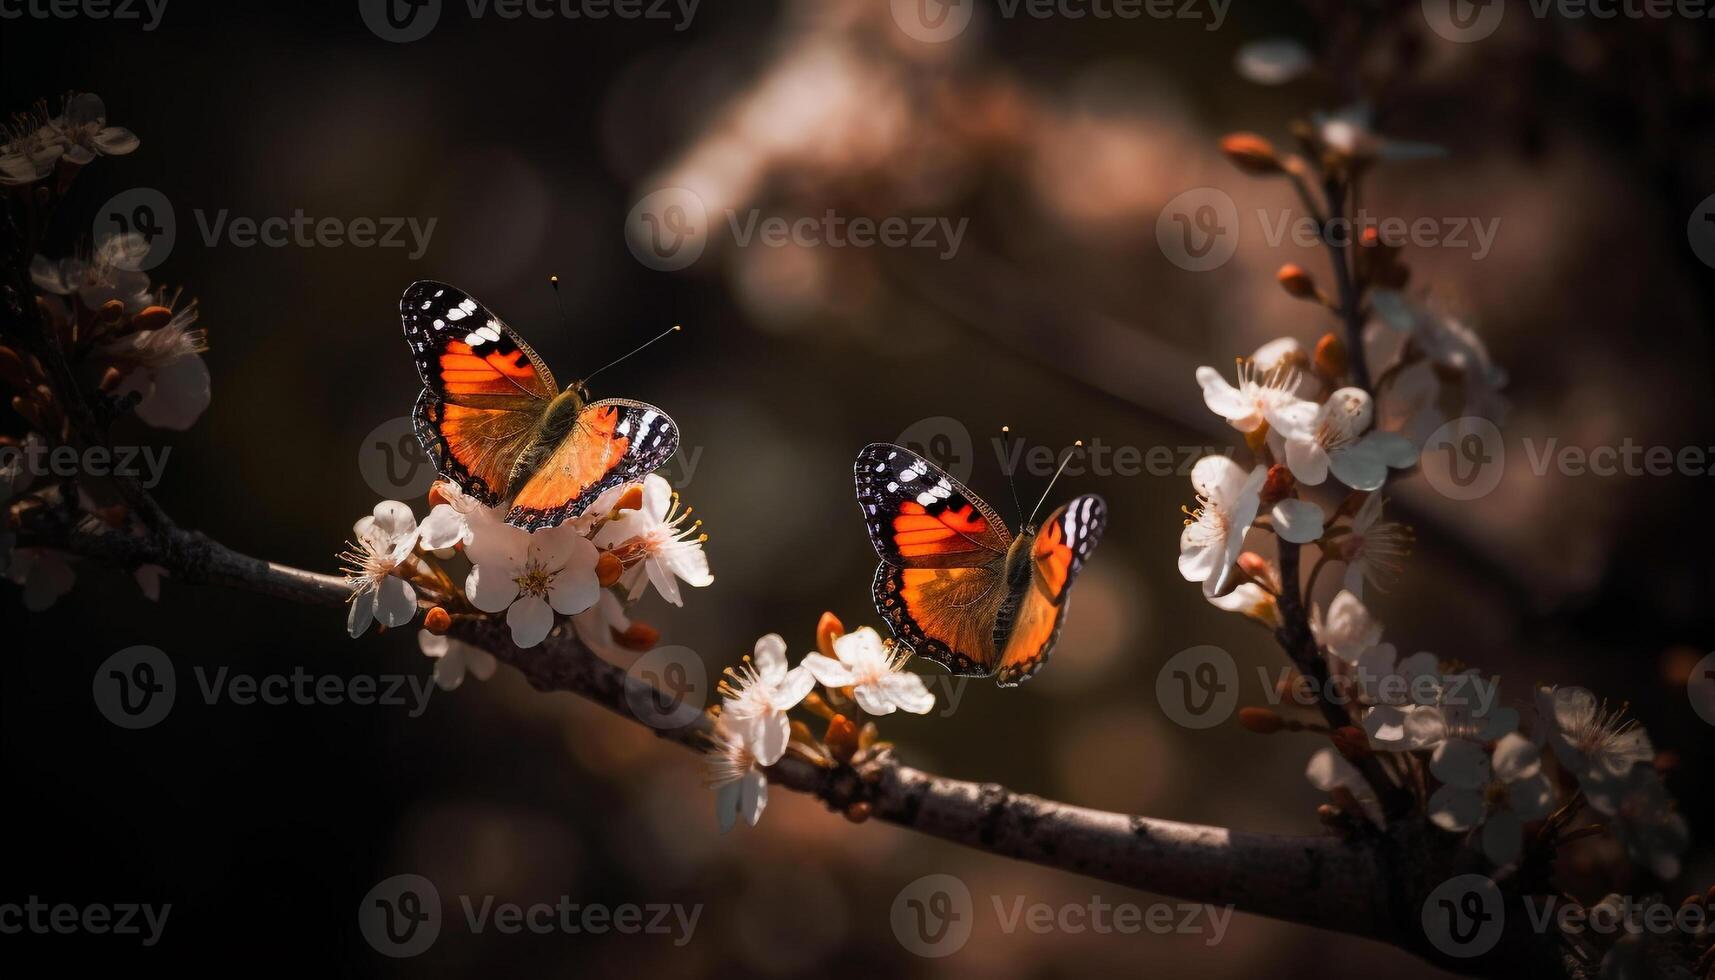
1060, 141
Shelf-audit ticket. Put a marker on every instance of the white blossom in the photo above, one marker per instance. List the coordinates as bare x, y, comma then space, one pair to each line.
1228, 499
741, 788
759, 694
652, 543
1334, 436
454, 659
382, 542
876, 675
530, 577
1516, 790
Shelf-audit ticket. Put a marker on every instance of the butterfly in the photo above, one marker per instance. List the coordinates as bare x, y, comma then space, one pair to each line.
493, 420
953, 582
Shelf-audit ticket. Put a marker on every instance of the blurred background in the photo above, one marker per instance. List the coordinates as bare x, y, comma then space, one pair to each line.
1054, 143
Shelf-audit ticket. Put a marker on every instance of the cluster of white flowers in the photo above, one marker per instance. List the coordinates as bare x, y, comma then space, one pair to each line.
1487, 777
36, 143
1314, 439
109, 323
631, 537
752, 728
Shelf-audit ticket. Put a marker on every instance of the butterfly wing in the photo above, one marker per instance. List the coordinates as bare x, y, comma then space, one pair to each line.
943, 551
611, 442
484, 390
1057, 553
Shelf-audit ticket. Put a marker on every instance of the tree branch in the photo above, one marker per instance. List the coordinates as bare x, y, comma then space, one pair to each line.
1318, 881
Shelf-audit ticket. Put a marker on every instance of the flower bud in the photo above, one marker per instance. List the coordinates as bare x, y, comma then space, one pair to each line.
842, 738
638, 636
12, 369
1296, 281
1263, 721
436, 496
608, 568
1251, 153
858, 812
631, 499
828, 629
1330, 358
437, 621
1258, 569
152, 318
110, 380
1278, 486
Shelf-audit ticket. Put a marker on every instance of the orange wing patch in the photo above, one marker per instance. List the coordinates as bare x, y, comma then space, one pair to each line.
1053, 559
1032, 637
587, 455
945, 614
464, 372
475, 447
953, 530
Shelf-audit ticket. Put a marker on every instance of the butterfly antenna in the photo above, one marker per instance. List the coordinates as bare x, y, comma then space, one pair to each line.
1069, 453
675, 328
559, 310
1011, 484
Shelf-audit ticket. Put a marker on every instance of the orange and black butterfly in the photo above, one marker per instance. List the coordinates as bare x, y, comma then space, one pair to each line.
953, 582
493, 421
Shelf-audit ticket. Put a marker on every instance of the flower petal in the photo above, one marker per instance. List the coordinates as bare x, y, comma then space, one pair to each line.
908, 691
1297, 521
530, 619
828, 671
1455, 808
489, 588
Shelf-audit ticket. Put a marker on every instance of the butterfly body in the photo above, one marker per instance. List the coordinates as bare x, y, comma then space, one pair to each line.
492, 419
953, 582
